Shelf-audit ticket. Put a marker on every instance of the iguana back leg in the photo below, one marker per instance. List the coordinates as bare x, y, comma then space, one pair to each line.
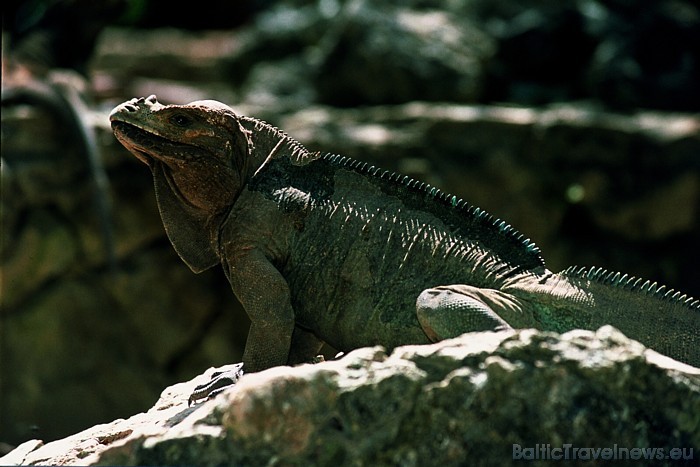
449, 311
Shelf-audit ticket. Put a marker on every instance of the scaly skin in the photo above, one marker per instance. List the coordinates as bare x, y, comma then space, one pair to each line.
326, 249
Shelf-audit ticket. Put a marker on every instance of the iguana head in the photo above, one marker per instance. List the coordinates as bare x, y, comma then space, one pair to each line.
200, 158
203, 149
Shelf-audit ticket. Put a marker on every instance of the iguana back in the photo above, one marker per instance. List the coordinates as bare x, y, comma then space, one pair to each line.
367, 242
327, 249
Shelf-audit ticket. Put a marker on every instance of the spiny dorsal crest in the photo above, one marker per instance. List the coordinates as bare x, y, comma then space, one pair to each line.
489, 230
632, 283
299, 152
477, 224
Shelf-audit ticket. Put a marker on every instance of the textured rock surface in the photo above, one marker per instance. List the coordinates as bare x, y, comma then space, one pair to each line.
299, 52
454, 402
370, 58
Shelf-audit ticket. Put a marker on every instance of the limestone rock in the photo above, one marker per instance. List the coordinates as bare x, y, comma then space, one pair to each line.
384, 55
482, 395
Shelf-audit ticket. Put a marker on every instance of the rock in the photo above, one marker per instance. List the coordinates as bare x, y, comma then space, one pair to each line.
645, 55
382, 55
480, 395
542, 50
529, 52
358, 53
164, 53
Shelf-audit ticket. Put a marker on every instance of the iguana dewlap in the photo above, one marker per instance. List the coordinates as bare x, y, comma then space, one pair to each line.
321, 248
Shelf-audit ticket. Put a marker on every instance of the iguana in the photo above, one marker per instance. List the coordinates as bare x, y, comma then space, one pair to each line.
322, 248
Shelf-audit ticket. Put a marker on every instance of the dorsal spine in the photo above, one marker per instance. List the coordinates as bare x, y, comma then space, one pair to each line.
522, 253
516, 249
625, 281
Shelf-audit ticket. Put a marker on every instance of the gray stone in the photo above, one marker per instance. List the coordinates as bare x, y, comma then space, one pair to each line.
476, 397
380, 54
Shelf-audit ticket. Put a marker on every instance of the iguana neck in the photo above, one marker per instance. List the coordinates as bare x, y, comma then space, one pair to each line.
270, 143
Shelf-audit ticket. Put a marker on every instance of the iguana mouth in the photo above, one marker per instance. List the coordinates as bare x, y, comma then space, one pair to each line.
159, 153
148, 146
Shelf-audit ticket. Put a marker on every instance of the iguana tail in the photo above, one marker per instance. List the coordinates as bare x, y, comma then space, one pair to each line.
660, 318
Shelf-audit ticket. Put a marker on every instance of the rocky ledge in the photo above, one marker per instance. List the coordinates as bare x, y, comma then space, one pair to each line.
496, 396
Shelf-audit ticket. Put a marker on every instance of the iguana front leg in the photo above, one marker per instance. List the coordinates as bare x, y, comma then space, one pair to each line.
449, 311
273, 338
265, 296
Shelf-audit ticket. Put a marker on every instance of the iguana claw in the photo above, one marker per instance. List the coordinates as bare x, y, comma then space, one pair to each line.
220, 381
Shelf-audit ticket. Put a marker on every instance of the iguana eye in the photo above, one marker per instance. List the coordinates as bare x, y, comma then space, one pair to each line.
180, 120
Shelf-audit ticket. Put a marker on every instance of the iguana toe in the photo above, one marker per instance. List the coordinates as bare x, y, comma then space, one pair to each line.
220, 381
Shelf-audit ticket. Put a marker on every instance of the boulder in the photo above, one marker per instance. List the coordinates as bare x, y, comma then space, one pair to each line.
500, 396
292, 53
382, 55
